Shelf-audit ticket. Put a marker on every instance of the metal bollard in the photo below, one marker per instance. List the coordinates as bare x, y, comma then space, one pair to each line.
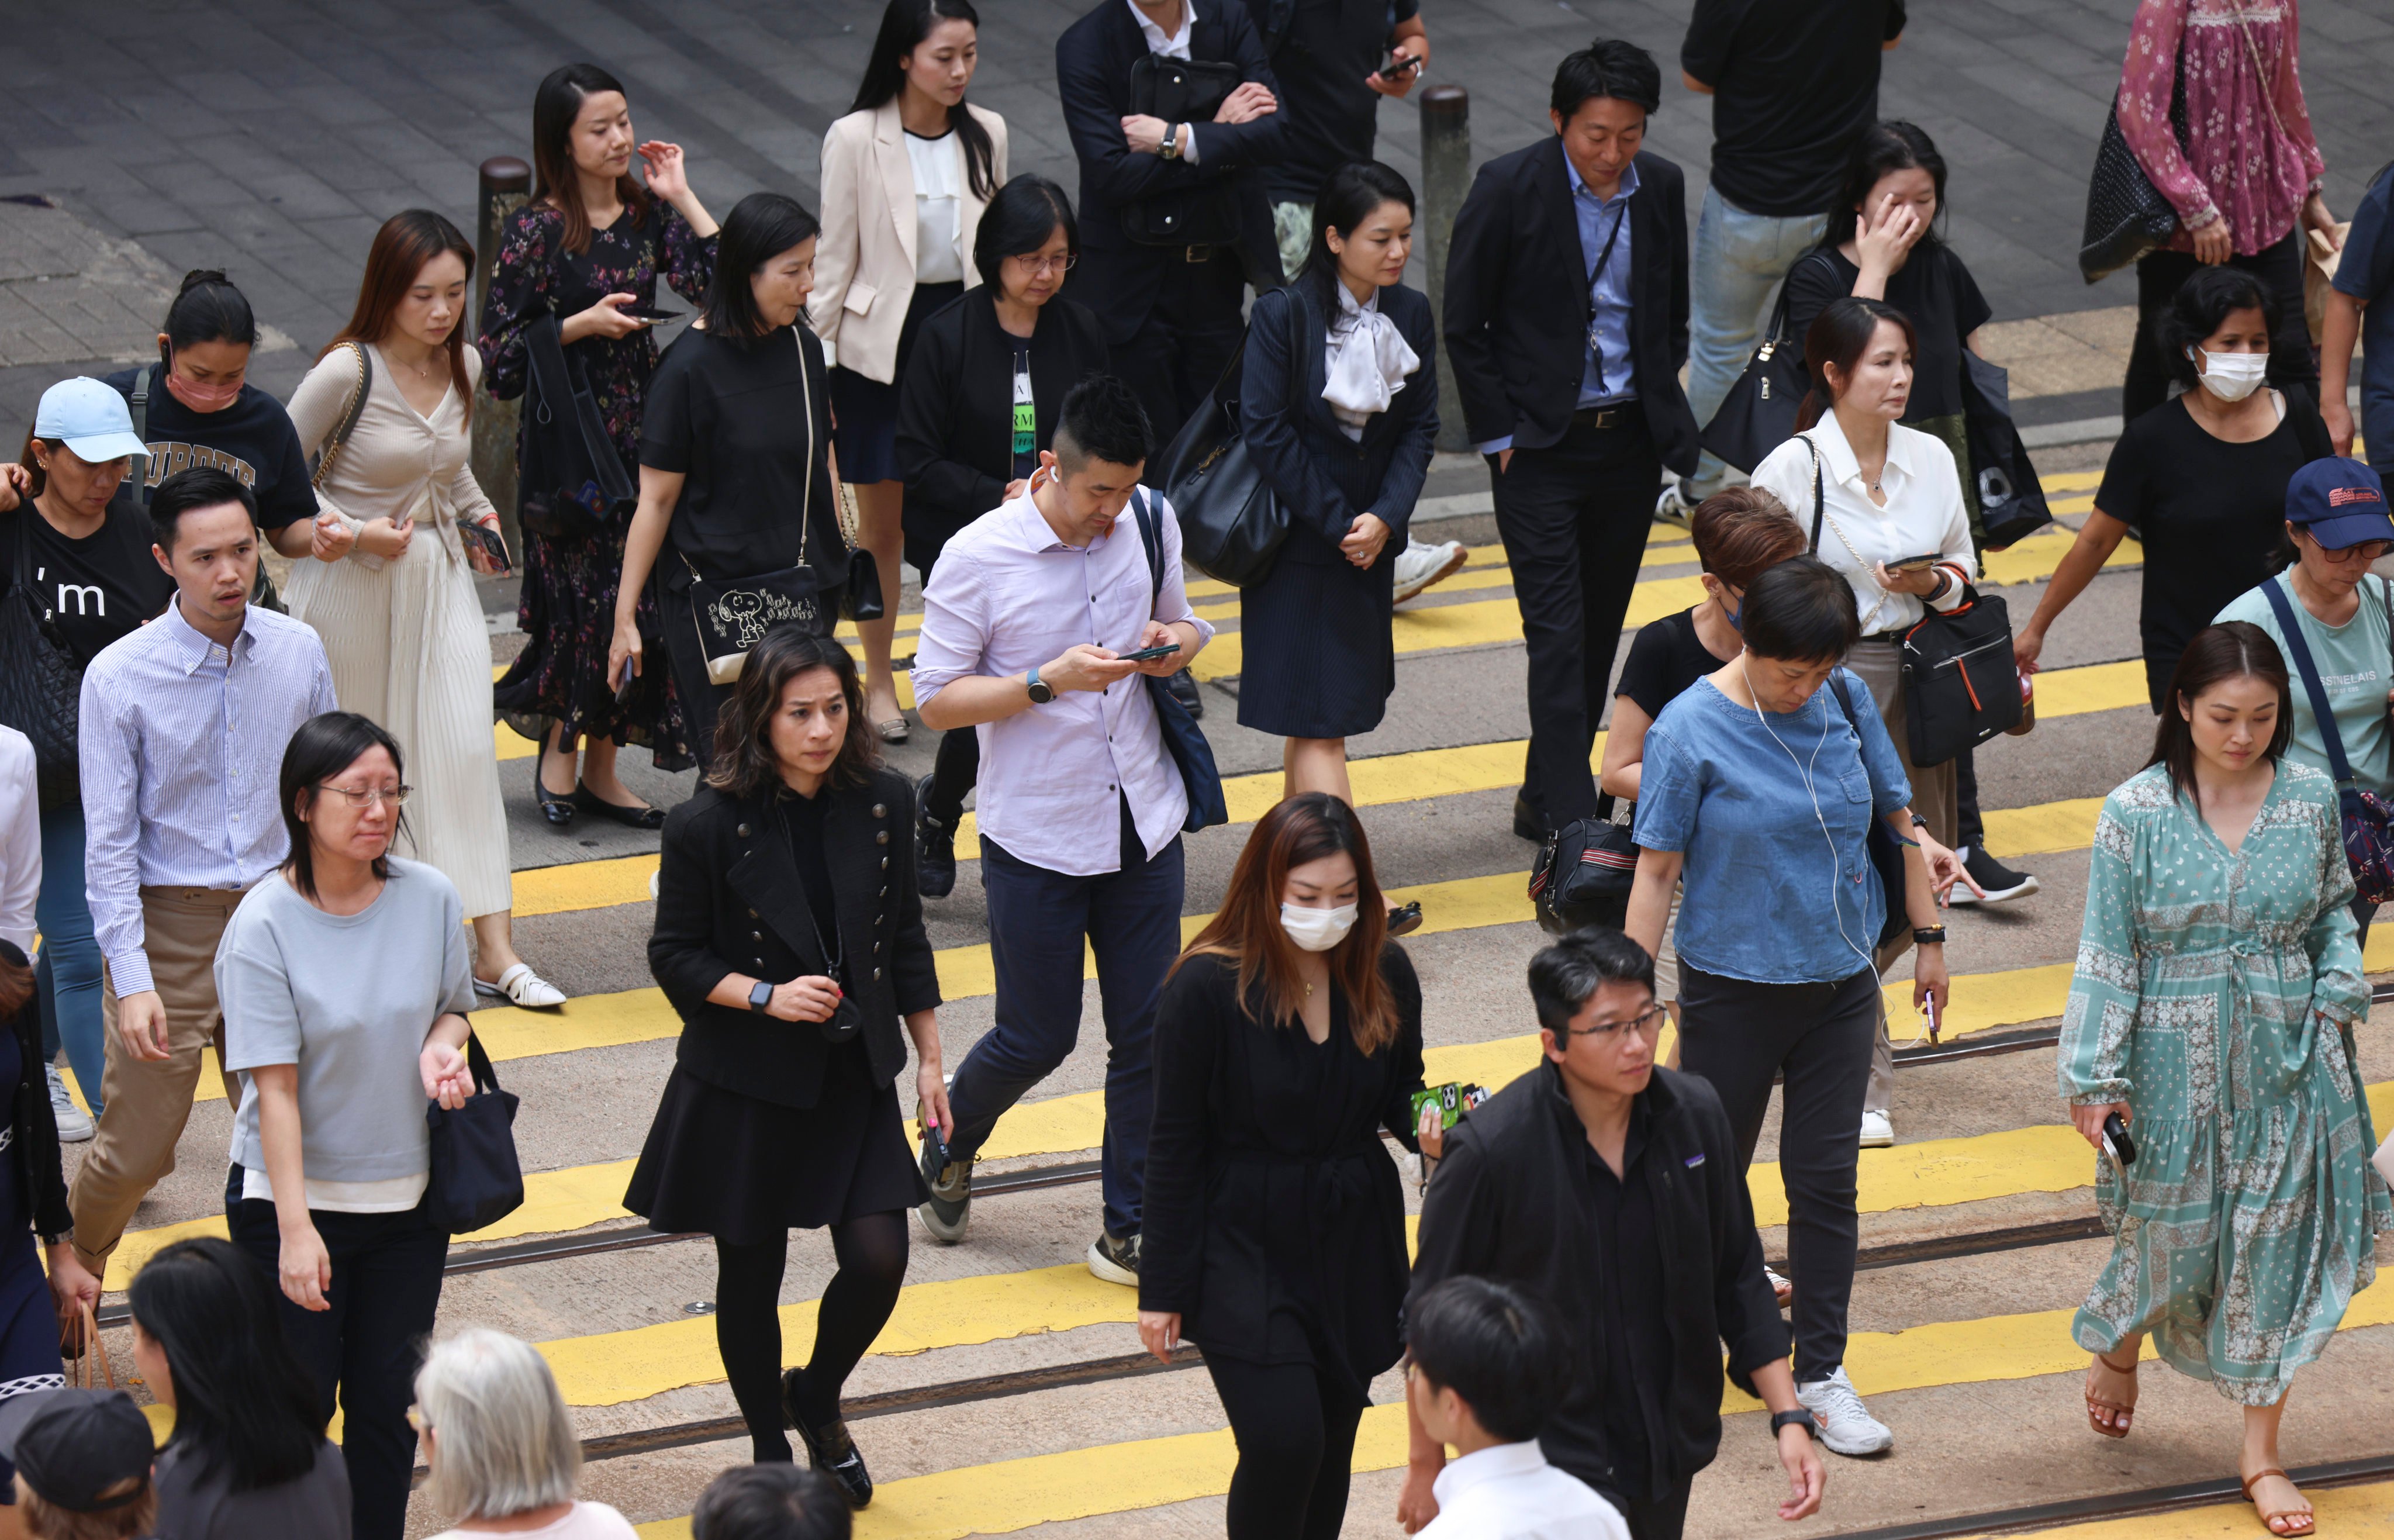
1446, 177
507, 184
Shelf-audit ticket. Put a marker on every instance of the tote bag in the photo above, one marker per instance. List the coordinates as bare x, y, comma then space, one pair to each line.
476, 1178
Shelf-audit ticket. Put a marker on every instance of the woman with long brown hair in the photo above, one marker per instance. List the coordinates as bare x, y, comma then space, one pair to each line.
789, 938
402, 625
1288, 1037
590, 249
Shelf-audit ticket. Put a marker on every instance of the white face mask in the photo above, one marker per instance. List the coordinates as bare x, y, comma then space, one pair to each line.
1316, 929
2230, 377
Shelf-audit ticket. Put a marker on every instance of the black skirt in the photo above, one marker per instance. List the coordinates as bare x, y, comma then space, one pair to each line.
864, 411
1324, 624
747, 1170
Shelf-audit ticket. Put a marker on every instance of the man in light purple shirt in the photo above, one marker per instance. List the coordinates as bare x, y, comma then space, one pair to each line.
183, 726
1079, 804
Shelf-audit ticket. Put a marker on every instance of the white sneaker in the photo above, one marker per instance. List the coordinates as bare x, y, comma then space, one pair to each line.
1781, 1290
74, 1124
1846, 1427
1672, 509
1879, 1131
1421, 564
523, 986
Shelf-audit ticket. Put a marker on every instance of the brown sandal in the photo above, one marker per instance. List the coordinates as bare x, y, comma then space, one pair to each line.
2290, 1516
2095, 1403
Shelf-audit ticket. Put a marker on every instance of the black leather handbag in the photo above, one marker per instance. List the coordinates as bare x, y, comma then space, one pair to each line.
1584, 874
2011, 499
41, 683
570, 482
1183, 739
1758, 413
476, 1179
1184, 90
2126, 215
1231, 522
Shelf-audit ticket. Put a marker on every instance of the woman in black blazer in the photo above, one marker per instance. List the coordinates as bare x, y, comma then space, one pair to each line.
983, 385
789, 936
1288, 1035
1338, 403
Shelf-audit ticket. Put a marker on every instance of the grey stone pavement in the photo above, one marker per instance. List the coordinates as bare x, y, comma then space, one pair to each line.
270, 137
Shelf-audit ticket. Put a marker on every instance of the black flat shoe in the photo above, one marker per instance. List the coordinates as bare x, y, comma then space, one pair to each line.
631, 818
557, 809
1406, 918
829, 1448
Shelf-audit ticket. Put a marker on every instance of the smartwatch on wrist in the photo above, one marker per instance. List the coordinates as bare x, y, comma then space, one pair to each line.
1800, 1417
1041, 691
760, 994
1928, 935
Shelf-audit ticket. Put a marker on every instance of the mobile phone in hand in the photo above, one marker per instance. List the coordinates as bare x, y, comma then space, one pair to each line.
1913, 563
1396, 66
646, 312
1149, 654
2116, 1139
623, 691
938, 1140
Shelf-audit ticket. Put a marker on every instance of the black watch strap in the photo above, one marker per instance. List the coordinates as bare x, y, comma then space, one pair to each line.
1800, 1417
760, 994
1928, 935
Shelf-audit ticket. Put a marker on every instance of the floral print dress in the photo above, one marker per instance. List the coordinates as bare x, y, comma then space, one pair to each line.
2215, 994
567, 611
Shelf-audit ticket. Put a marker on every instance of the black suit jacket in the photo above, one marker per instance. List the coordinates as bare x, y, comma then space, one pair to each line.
1516, 302
729, 901
1117, 278
955, 408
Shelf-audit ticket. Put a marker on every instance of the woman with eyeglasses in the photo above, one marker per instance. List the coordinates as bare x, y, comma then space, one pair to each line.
978, 403
2336, 527
1760, 787
1288, 1037
330, 1135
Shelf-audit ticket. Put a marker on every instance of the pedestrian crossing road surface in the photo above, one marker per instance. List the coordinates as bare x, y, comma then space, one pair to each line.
1006, 1394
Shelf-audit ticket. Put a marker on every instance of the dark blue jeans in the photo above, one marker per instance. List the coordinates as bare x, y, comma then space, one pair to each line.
1040, 924
70, 961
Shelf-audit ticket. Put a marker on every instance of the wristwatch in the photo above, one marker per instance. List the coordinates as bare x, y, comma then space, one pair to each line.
1928, 934
1800, 1417
760, 994
1170, 147
1041, 691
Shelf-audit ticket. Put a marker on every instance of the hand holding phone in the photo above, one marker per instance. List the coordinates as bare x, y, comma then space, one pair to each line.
1397, 66
650, 313
1914, 563
2116, 1139
1149, 654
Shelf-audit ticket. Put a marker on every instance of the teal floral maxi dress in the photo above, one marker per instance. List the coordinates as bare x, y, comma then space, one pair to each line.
2215, 994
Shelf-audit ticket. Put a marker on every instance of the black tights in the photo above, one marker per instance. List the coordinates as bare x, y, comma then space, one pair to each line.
872, 1253
1296, 1431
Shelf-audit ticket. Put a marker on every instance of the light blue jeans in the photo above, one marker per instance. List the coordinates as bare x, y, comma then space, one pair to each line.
1738, 260
68, 969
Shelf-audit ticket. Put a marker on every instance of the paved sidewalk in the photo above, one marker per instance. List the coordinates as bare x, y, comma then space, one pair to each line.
270, 137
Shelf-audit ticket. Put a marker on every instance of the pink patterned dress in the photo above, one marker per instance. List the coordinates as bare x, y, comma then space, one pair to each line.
2250, 156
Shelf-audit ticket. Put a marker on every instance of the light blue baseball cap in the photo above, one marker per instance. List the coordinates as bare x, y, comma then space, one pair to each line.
91, 418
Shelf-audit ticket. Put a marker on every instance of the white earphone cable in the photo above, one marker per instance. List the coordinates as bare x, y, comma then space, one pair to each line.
1836, 904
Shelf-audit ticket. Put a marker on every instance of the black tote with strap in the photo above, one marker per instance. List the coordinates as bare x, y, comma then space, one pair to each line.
476, 1179
2126, 215
571, 482
1231, 520
1758, 413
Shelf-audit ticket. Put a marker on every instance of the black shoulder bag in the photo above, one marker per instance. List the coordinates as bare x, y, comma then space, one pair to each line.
571, 482
476, 1179
2126, 215
1231, 522
2011, 498
1183, 739
1584, 871
1886, 855
1758, 413
41, 682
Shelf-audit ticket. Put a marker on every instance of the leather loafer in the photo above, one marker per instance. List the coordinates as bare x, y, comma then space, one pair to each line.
1525, 822
1406, 918
632, 818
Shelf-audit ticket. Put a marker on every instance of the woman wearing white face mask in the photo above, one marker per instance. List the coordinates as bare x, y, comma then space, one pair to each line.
2202, 479
1288, 1037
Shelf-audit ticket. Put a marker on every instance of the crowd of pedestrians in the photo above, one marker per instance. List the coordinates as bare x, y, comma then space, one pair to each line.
236, 800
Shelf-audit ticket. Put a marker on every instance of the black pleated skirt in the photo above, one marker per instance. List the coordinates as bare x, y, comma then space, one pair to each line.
747, 1170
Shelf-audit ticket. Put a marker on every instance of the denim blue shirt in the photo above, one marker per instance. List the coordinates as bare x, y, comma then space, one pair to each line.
1615, 379
1727, 788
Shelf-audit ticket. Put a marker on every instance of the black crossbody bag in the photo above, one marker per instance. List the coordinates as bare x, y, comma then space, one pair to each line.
1758, 413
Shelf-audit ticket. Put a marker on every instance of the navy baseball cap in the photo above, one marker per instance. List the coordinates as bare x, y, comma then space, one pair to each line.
2341, 502
72, 1445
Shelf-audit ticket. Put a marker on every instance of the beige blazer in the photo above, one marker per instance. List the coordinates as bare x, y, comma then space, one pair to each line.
864, 264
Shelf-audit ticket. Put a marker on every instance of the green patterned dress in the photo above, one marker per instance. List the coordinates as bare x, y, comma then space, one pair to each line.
2215, 994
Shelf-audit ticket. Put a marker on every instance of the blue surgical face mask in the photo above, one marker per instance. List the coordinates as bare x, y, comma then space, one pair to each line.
1736, 617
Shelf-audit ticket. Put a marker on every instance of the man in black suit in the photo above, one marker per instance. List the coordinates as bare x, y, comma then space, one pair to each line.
1173, 225
1566, 323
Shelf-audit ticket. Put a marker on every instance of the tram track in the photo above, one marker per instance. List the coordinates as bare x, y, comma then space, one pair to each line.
2123, 1505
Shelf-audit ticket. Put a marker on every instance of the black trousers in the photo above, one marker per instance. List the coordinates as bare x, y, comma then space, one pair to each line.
1817, 1038
1575, 516
1661, 1517
1182, 349
366, 1345
1296, 1431
2158, 276
1969, 826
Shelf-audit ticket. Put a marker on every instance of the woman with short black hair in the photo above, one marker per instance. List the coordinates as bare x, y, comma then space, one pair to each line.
980, 399
1760, 787
2202, 478
735, 467
789, 938
248, 1455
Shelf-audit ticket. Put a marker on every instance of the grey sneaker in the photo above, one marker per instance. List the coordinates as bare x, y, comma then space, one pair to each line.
1846, 1427
74, 1124
950, 1208
1115, 1259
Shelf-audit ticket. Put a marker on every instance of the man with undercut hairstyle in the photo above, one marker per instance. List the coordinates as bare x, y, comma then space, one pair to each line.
183, 726
1079, 803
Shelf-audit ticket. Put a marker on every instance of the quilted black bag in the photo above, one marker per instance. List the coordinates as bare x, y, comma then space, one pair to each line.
2126, 215
41, 683
1584, 874
476, 1178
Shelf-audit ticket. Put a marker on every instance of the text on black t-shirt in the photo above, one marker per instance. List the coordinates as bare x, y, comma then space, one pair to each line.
92, 590
252, 439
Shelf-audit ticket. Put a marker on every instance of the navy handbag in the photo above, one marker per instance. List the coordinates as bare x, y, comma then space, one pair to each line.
476, 1179
1182, 737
